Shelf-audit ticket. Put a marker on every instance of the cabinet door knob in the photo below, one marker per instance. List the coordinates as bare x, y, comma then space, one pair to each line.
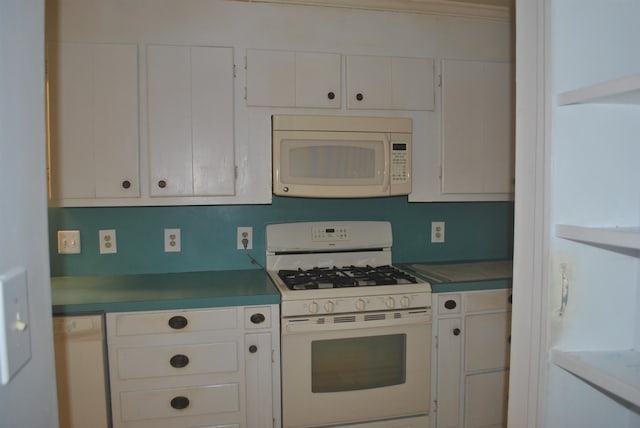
510, 298
359, 96
253, 349
126, 184
179, 402
257, 318
450, 304
331, 95
179, 361
456, 331
162, 184
178, 322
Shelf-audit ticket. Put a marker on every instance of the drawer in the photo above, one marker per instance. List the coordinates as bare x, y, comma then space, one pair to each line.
163, 322
487, 301
179, 402
137, 362
449, 304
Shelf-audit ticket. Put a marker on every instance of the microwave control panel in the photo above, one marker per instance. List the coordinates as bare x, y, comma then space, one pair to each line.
399, 162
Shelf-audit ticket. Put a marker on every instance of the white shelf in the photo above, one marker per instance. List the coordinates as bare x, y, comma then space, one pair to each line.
625, 90
617, 372
622, 237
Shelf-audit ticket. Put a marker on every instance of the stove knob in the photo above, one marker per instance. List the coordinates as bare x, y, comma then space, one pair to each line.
360, 304
328, 306
313, 307
405, 302
390, 302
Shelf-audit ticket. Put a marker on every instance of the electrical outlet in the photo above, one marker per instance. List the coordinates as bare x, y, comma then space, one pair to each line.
107, 239
68, 242
437, 231
172, 241
245, 233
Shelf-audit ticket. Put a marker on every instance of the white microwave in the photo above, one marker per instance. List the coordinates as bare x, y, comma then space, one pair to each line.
341, 156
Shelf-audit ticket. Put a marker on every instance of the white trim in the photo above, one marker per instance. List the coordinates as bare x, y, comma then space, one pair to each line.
430, 7
529, 323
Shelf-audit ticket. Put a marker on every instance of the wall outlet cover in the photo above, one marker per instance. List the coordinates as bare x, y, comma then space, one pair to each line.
107, 242
172, 241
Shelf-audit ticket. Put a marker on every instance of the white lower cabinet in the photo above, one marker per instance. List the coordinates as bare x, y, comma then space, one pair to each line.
195, 368
472, 358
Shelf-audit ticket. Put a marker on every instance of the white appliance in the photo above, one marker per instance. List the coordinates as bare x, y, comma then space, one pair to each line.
356, 331
341, 156
80, 371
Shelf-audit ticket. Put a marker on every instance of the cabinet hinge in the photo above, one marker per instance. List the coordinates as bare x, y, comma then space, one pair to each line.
439, 80
234, 71
235, 172
436, 342
440, 173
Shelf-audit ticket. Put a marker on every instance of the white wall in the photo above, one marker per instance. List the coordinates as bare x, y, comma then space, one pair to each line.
244, 25
29, 400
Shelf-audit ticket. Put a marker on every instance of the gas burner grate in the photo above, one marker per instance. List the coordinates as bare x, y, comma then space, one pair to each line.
347, 276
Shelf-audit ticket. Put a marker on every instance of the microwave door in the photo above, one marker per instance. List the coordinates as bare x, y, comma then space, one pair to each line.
331, 164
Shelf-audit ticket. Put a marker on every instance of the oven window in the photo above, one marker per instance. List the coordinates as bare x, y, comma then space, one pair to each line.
358, 363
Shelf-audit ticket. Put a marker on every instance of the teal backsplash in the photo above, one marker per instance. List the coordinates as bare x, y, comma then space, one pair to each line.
474, 231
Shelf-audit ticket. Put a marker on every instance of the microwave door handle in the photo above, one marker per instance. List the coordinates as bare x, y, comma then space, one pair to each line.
387, 168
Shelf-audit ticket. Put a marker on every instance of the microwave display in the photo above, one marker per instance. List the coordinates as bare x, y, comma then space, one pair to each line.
400, 146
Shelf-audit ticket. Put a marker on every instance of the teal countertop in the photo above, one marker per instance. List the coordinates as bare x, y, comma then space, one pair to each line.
145, 292
464, 276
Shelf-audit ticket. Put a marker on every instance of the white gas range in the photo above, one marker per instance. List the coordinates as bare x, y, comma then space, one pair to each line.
356, 331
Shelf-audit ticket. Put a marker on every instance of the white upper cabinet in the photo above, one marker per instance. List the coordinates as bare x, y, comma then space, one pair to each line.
93, 121
390, 83
190, 120
293, 79
477, 128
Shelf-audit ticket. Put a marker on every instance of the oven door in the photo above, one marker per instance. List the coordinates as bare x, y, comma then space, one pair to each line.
348, 369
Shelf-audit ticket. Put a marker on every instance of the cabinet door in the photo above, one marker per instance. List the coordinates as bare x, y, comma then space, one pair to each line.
486, 400
93, 120
368, 82
449, 373
259, 383
487, 341
390, 83
293, 79
412, 81
477, 128
190, 107
318, 80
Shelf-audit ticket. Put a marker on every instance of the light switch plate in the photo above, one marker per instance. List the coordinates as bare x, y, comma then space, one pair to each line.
15, 336
68, 242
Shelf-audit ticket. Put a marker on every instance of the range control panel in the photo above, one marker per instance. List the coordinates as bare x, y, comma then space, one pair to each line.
332, 233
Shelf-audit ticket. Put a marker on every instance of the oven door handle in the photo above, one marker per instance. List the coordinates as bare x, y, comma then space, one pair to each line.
306, 327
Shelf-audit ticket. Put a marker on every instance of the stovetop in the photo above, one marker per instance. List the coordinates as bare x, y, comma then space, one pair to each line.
346, 276
339, 267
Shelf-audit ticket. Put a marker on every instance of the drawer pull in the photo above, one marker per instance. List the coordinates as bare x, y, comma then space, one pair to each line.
253, 349
456, 332
180, 402
331, 95
179, 361
126, 184
257, 318
178, 322
162, 184
450, 304
359, 96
